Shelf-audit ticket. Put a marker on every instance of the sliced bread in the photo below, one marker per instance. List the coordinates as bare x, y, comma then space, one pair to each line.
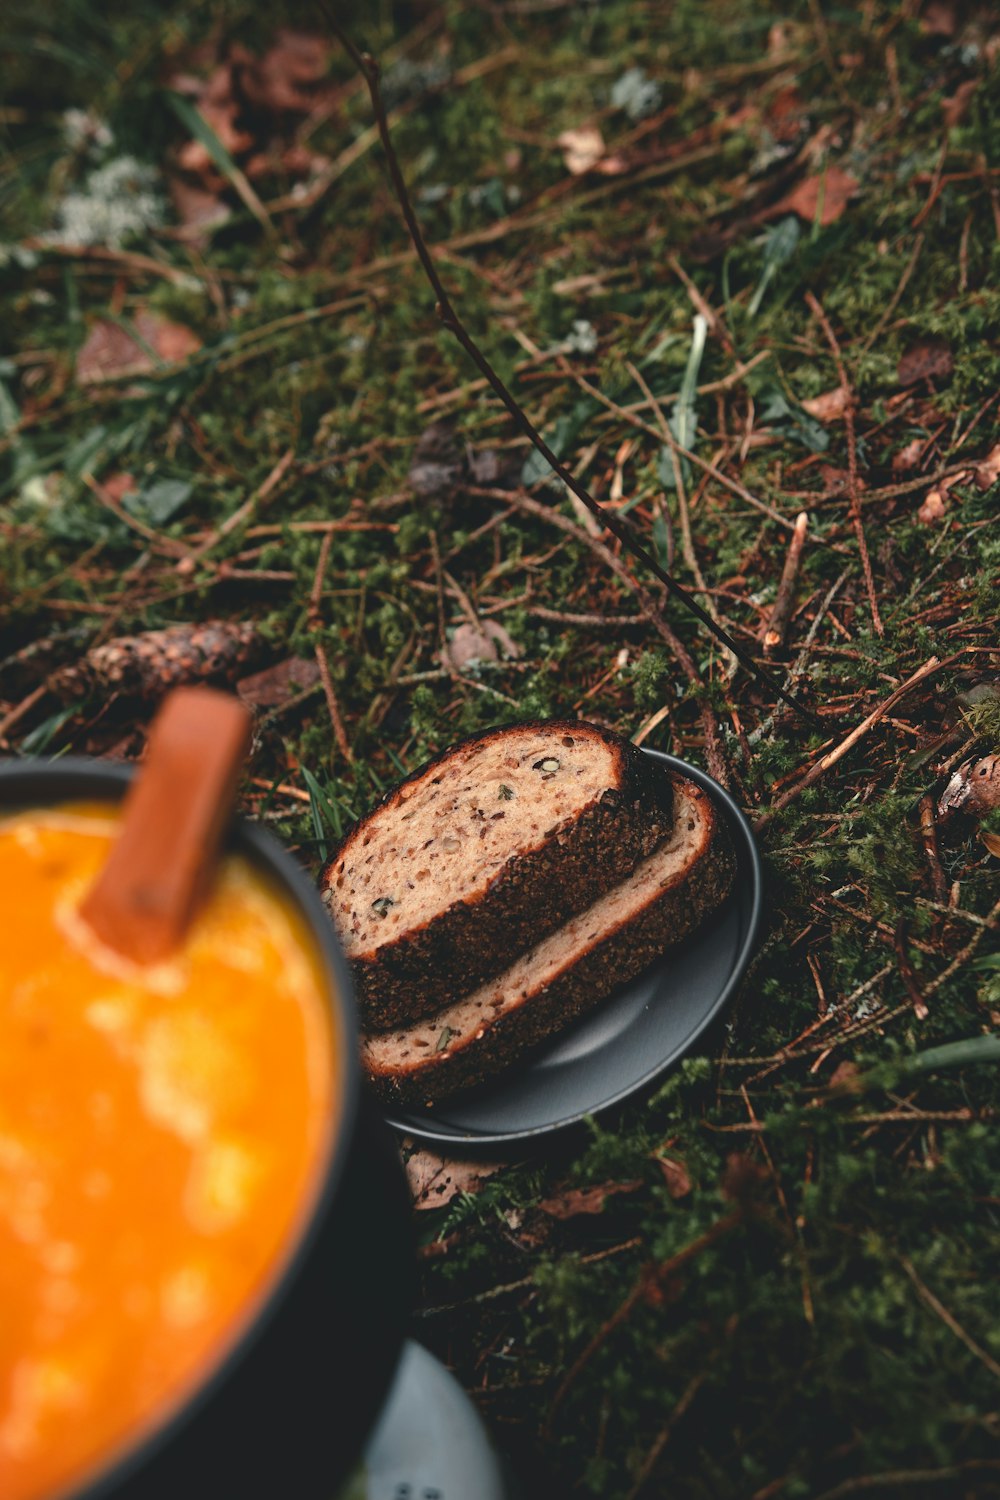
475, 857
569, 972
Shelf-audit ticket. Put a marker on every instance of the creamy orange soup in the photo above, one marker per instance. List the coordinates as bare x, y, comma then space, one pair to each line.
162, 1132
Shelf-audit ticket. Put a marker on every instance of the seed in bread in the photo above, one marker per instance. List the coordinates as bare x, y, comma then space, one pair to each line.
569, 972
472, 859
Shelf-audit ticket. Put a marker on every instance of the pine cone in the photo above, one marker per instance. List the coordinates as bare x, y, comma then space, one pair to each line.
148, 665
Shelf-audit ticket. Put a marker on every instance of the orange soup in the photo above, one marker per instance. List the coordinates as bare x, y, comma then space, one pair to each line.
162, 1132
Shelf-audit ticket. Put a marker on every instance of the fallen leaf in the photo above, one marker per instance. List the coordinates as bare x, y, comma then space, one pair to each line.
992, 842
434, 1180
931, 359
844, 1075
172, 341
743, 1178
908, 457
955, 109
836, 481
109, 351
827, 194
988, 472
829, 406
437, 462
196, 208
577, 1201
974, 789
472, 643
487, 467
249, 103
675, 1174
938, 19
582, 148
786, 112
933, 508
286, 77
934, 505
196, 158
278, 684
116, 486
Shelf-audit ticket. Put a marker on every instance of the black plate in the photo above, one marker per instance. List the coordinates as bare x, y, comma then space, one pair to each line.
633, 1037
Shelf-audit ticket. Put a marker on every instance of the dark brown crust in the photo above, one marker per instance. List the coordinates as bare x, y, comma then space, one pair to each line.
435, 964
672, 915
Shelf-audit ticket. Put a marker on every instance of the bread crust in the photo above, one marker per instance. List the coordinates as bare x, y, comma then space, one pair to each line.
431, 965
671, 915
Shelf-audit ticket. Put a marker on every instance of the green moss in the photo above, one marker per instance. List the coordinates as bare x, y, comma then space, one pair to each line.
805, 1353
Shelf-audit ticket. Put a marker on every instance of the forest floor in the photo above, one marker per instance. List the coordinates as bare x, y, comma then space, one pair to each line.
739, 263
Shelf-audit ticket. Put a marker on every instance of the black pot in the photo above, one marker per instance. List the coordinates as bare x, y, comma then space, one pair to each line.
287, 1410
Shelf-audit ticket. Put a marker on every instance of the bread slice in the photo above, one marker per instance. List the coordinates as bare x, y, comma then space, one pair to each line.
475, 857
570, 971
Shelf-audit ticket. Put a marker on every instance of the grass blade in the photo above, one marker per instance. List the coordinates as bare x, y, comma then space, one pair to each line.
195, 122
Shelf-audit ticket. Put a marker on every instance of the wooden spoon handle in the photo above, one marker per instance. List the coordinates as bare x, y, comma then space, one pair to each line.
174, 815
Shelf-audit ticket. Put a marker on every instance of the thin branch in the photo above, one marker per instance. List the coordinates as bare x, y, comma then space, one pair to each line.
854, 493
369, 69
894, 1480
928, 832
832, 756
777, 625
687, 543
949, 1319
322, 662
713, 747
651, 1277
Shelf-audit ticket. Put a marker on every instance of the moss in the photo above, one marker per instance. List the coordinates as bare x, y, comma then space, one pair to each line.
806, 1354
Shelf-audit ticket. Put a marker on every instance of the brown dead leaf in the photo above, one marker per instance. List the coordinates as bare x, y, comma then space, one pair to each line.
676, 1175
933, 508
592, 1200
221, 119
844, 1075
955, 109
286, 77
936, 502
116, 486
826, 194
988, 472
743, 1178
438, 461
931, 359
434, 1180
196, 208
907, 458
582, 148
939, 19
991, 841
836, 481
827, 407
109, 351
278, 684
974, 789
472, 643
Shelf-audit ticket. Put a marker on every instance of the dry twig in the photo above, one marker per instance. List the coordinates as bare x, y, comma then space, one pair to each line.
322, 662
774, 633
852, 459
713, 745
832, 756
450, 320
